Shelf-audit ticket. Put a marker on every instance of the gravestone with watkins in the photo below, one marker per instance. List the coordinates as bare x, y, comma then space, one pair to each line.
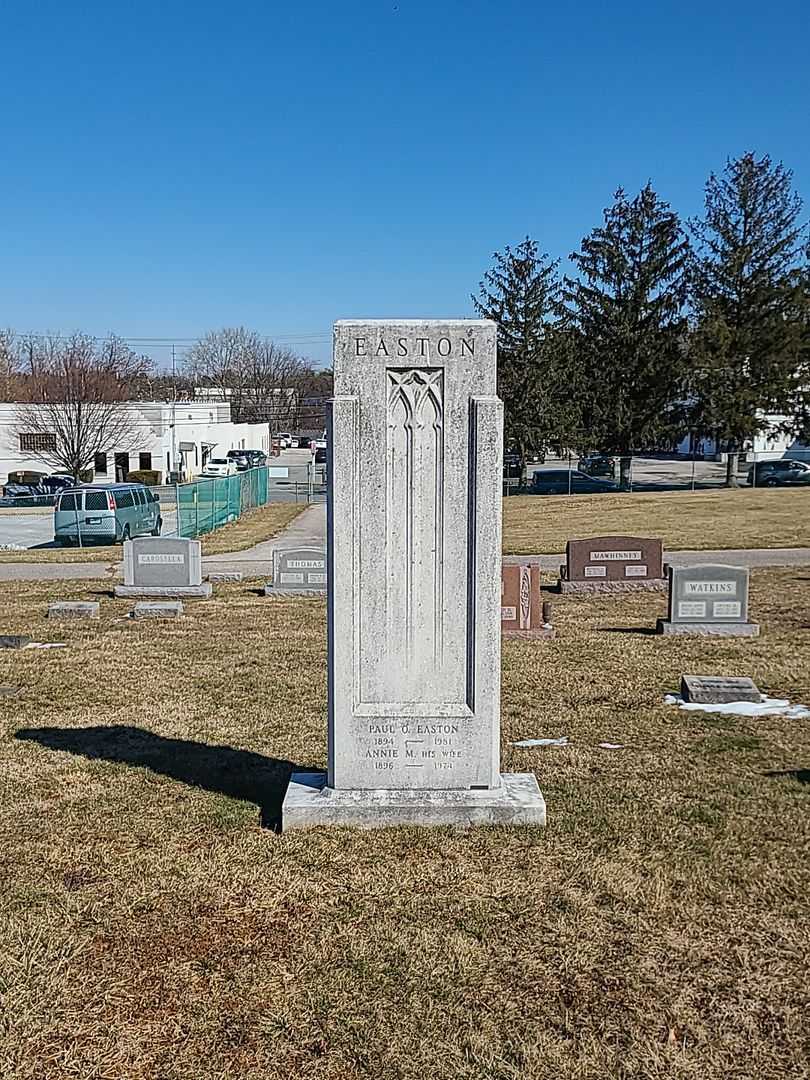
710, 600
298, 571
521, 605
414, 527
613, 564
718, 689
163, 566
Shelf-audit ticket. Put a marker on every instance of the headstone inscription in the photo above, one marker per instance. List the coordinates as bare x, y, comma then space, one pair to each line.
718, 689
521, 604
298, 571
163, 566
414, 559
709, 600
613, 564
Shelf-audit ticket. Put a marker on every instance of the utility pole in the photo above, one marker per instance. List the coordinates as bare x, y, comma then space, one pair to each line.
174, 410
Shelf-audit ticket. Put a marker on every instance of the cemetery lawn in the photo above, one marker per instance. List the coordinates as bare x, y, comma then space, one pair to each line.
251, 528
688, 521
149, 928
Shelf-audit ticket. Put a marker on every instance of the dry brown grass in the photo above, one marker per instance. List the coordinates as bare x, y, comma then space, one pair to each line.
703, 520
251, 528
150, 930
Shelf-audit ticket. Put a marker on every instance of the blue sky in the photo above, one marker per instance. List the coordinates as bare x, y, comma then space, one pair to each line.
168, 168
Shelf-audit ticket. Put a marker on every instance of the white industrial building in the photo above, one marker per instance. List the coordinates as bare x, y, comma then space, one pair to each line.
766, 446
191, 431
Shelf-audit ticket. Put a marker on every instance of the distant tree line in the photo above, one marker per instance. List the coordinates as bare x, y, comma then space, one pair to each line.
665, 328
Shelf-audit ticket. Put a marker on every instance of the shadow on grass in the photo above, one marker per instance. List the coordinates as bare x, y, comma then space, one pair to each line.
644, 631
802, 775
238, 774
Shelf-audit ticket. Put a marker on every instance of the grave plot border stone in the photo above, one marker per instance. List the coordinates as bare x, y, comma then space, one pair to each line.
73, 609
696, 596
292, 580
14, 641
157, 609
594, 565
524, 617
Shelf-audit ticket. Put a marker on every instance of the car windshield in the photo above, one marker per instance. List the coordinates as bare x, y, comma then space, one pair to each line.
217, 461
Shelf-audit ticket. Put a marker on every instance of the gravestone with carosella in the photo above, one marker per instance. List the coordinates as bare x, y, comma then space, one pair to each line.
709, 600
163, 566
613, 564
414, 575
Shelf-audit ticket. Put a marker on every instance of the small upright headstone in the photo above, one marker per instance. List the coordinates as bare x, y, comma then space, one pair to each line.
613, 564
225, 577
710, 600
718, 689
521, 605
163, 566
298, 571
73, 609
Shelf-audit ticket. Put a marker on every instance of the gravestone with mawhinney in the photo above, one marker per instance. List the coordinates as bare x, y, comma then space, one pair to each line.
613, 564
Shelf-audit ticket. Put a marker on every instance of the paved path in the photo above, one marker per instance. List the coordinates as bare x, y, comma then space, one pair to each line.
309, 530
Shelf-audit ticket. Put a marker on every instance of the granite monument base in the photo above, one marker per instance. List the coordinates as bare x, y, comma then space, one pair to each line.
718, 629
180, 592
309, 802
634, 585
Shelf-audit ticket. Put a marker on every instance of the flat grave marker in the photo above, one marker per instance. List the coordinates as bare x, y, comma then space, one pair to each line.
158, 609
613, 564
718, 689
73, 609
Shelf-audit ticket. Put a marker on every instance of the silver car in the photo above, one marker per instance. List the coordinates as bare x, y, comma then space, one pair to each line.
106, 514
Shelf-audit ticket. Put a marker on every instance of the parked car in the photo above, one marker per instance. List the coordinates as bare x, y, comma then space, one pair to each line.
320, 455
513, 465
779, 473
257, 458
556, 482
219, 467
240, 459
598, 465
284, 440
106, 513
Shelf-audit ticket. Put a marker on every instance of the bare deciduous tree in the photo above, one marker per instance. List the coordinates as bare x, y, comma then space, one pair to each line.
263, 381
74, 394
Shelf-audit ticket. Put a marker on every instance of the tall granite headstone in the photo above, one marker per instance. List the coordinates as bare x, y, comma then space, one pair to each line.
710, 600
414, 567
521, 602
298, 571
163, 566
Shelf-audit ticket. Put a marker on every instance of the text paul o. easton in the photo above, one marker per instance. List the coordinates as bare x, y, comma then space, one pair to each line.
420, 347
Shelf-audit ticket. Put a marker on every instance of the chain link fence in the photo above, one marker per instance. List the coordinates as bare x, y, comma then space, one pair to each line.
204, 505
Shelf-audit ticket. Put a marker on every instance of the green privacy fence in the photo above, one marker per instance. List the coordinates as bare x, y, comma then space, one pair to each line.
207, 504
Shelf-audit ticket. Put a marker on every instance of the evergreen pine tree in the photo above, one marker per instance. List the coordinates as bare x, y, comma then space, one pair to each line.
628, 313
748, 303
521, 292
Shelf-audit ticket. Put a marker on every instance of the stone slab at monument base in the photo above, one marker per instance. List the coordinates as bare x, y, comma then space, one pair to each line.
729, 629
179, 592
280, 592
309, 802
593, 587
538, 634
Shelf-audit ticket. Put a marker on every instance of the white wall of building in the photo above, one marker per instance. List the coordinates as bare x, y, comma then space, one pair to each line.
204, 429
763, 447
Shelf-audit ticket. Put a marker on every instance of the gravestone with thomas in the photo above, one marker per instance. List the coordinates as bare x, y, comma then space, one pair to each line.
414, 567
613, 564
298, 571
709, 600
163, 566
